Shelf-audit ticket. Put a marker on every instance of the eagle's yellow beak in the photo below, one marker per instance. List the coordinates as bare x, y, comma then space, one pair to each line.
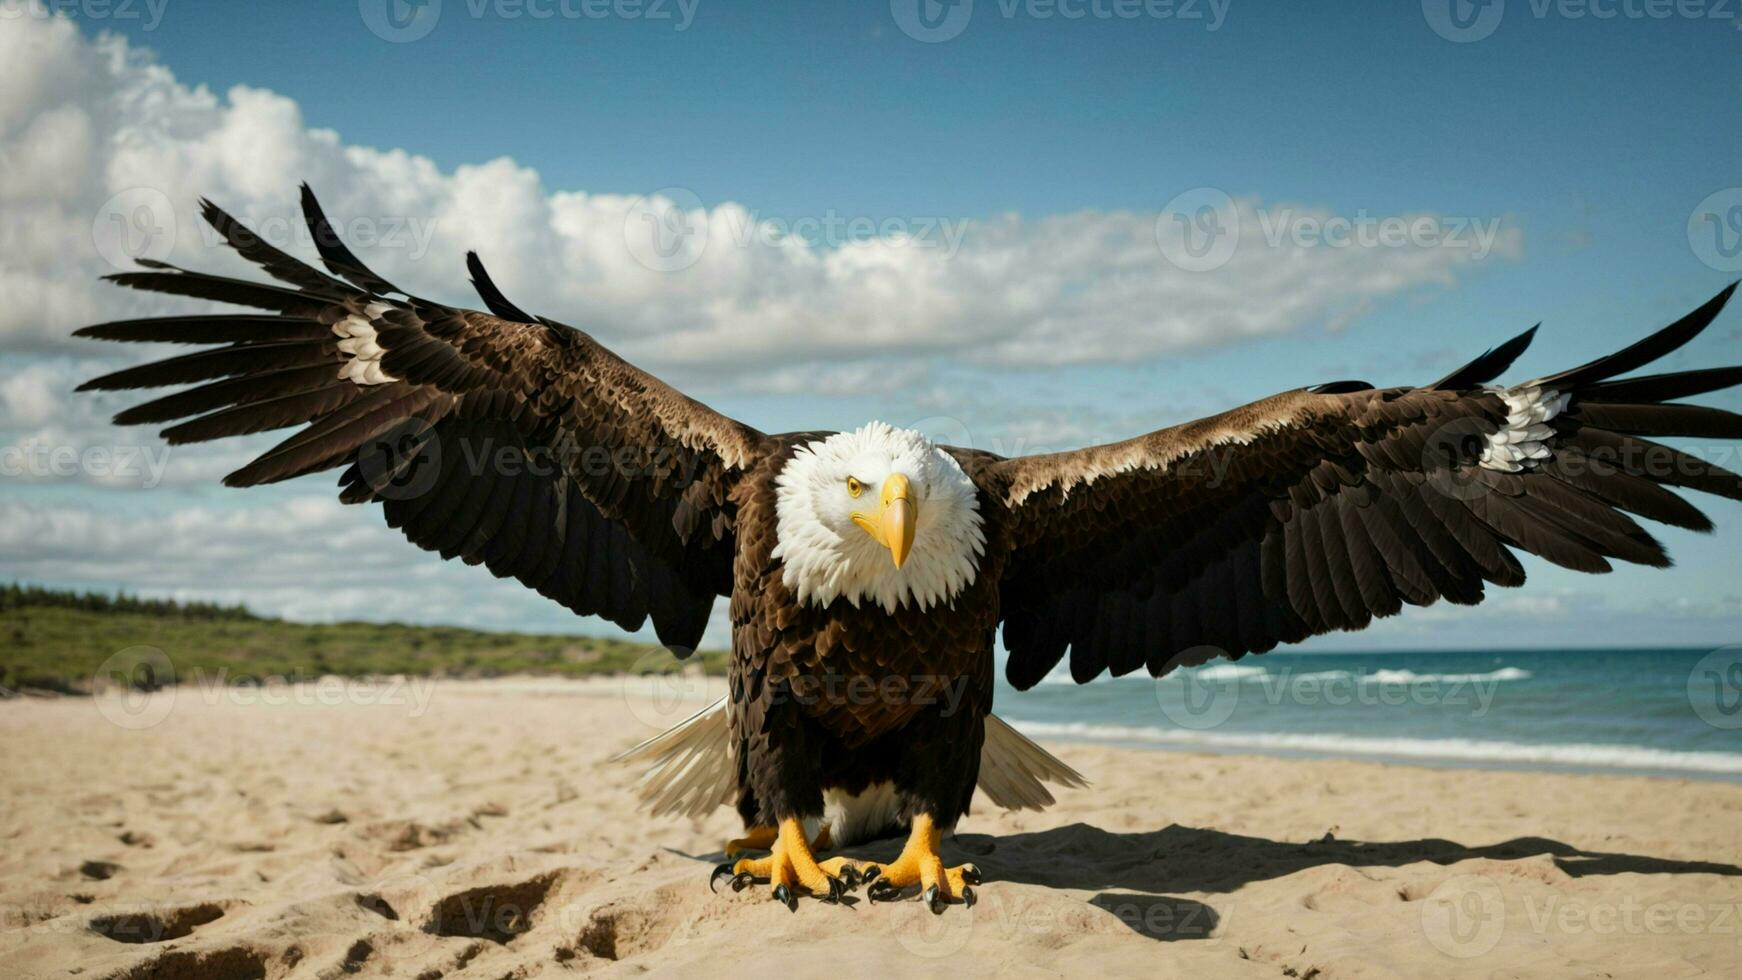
896, 516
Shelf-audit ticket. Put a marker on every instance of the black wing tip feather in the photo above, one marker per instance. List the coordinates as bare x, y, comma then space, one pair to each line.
1490, 365
335, 254
493, 297
1653, 347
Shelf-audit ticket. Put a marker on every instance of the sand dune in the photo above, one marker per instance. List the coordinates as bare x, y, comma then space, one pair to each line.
481, 831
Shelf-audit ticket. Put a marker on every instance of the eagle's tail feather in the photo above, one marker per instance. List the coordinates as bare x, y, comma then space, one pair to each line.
691, 768
690, 772
1014, 770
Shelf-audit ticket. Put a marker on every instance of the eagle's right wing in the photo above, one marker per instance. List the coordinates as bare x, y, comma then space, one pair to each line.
500, 439
1322, 509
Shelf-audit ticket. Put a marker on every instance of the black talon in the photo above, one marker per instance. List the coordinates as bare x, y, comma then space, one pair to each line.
871, 874
783, 895
971, 874
742, 880
882, 891
836, 890
934, 900
968, 897
850, 877
723, 871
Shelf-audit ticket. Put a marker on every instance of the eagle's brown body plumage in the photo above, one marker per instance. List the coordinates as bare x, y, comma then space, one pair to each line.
515, 442
844, 697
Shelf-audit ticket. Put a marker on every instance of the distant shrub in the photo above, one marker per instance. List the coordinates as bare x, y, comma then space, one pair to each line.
19, 596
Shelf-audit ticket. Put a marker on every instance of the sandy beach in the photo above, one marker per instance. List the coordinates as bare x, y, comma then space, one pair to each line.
479, 828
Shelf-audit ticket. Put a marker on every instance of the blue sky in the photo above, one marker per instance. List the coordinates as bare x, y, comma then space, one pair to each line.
1592, 139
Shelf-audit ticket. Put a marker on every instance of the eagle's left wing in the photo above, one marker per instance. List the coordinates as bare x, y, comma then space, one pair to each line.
1320, 509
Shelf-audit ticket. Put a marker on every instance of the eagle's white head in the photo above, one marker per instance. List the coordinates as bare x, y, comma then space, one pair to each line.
879, 514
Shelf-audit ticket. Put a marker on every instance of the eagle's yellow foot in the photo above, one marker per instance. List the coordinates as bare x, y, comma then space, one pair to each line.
919, 864
789, 865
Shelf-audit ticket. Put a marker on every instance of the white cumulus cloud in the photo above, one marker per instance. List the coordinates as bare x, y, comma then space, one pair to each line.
106, 155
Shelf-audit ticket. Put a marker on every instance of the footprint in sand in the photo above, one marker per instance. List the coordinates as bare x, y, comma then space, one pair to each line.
155, 927
237, 963
498, 913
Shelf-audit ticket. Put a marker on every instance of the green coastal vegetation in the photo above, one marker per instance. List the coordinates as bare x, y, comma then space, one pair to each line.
58, 641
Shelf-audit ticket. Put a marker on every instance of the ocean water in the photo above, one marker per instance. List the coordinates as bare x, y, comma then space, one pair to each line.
1669, 712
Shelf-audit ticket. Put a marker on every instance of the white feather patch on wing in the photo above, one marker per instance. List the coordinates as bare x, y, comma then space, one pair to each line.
1523, 440
357, 337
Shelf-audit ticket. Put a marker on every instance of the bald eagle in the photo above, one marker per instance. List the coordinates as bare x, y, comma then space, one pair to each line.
869, 572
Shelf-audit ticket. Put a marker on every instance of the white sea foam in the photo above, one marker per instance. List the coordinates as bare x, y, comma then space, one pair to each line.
1230, 672
1411, 677
1586, 755
1257, 672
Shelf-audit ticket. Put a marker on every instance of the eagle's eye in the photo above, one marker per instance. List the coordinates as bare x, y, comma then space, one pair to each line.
854, 487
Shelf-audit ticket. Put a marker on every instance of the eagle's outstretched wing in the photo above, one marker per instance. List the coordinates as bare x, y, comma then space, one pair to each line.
506, 440
1320, 509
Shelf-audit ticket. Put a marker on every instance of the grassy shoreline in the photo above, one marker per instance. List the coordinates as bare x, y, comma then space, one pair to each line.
61, 642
